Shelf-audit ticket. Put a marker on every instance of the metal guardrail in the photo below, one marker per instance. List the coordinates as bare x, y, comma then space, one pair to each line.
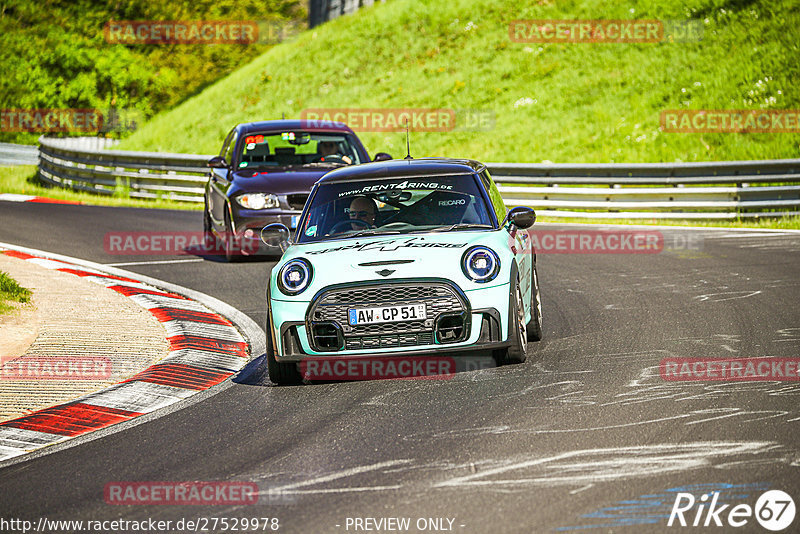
11, 154
138, 174
702, 190
707, 190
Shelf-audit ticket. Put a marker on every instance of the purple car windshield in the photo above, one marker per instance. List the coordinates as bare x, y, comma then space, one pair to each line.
297, 148
394, 205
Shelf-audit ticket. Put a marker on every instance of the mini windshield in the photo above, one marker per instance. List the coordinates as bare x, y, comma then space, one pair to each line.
297, 148
392, 206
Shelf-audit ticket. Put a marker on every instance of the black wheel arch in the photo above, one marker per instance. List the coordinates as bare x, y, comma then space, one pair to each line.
512, 279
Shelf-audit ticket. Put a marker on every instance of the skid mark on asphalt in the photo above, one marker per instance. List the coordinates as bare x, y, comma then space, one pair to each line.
645, 387
689, 418
726, 295
293, 488
382, 399
583, 469
725, 342
786, 335
591, 466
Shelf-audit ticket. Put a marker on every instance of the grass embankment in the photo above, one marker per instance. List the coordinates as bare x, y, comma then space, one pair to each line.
22, 179
11, 292
579, 102
582, 102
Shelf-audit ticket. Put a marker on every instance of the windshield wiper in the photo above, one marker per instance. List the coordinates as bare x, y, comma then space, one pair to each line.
374, 231
324, 164
459, 226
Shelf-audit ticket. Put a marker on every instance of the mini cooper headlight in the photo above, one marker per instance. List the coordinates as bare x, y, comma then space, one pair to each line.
258, 201
480, 264
294, 277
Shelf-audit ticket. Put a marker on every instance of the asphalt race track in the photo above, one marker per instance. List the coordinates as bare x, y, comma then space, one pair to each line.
585, 435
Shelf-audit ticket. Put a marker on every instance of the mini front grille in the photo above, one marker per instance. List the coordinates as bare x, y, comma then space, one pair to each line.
389, 340
440, 299
394, 328
385, 293
297, 201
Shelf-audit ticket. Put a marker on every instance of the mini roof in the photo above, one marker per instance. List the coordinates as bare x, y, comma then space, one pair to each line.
404, 168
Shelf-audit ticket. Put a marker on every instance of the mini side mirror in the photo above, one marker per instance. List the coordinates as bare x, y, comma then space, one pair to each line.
381, 156
521, 217
276, 235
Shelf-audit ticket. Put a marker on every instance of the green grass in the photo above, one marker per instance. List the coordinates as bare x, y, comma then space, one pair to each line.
551, 102
22, 179
57, 56
11, 291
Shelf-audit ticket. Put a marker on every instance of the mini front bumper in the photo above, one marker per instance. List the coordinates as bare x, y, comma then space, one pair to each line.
488, 320
485, 337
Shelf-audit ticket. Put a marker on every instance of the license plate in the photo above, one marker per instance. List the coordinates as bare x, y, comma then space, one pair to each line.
386, 314
294, 220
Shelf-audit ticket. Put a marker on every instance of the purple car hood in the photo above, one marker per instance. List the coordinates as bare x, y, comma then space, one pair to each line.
279, 180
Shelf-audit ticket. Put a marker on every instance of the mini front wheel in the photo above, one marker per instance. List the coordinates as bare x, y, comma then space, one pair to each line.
518, 336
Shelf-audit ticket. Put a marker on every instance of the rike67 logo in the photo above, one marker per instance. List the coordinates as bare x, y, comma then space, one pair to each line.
774, 510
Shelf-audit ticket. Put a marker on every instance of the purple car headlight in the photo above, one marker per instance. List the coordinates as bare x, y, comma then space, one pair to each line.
258, 201
295, 276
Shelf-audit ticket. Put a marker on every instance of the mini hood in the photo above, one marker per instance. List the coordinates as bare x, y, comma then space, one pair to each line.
390, 257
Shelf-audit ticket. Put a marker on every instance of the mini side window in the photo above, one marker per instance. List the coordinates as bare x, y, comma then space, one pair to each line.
494, 195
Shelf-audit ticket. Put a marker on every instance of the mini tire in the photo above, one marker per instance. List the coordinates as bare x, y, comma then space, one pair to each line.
517, 352
534, 326
280, 373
